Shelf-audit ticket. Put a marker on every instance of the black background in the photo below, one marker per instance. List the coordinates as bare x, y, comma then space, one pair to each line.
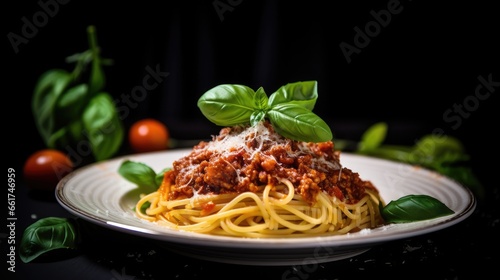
424, 62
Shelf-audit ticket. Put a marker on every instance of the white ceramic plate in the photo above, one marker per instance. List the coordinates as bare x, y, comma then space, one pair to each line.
99, 194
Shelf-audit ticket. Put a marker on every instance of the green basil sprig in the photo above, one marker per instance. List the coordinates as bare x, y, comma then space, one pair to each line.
412, 208
68, 111
289, 109
442, 153
45, 235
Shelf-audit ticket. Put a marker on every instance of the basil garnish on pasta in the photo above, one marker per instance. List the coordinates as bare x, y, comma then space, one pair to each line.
289, 109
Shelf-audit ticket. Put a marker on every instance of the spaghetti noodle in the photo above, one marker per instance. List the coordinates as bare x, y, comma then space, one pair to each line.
252, 182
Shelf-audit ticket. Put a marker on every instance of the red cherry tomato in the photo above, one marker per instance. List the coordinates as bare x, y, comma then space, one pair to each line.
148, 135
44, 168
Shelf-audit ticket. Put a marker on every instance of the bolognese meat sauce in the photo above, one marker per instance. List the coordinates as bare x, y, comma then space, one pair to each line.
245, 158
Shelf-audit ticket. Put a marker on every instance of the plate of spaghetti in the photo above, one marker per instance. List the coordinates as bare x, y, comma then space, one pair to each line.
256, 194
274, 222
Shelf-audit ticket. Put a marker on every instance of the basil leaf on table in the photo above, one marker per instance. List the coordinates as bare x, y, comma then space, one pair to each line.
412, 208
45, 235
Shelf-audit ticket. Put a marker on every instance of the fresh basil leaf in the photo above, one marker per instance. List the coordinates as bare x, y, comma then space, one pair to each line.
289, 109
298, 123
303, 94
260, 99
228, 105
103, 127
72, 102
67, 135
412, 208
260, 105
48, 90
434, 150
373, 137
45, 235
140, 174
